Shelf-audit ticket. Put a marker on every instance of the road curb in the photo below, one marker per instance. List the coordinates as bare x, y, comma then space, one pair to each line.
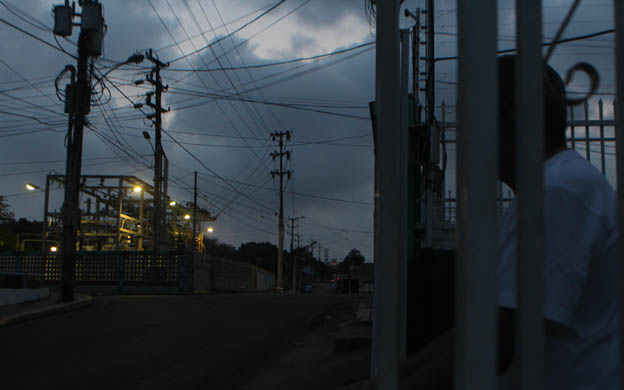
82, 300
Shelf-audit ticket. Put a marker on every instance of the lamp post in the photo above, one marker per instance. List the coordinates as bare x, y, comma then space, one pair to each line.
44, 224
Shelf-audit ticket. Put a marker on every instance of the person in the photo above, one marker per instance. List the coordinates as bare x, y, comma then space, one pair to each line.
581, 317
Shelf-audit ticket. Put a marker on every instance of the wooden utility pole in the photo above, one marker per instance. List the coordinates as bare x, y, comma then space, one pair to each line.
154, 79
281, 173
78, 104
294, 258
415, 60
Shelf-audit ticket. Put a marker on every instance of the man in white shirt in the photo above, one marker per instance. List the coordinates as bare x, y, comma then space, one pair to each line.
581, 350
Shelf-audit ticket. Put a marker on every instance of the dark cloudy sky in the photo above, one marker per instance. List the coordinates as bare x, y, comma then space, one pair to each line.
331, 154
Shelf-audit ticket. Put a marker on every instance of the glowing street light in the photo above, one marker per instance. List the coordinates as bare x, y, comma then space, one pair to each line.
137, 189
53, 249
210, 230
187, 216
172, 203
31, 187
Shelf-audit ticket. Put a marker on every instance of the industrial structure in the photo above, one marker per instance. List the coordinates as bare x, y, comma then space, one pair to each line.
116, 215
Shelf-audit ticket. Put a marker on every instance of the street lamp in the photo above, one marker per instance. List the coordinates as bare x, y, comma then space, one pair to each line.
53, 249
210, 230
172, 203
187, 216
31, 187
136, 189
133, 59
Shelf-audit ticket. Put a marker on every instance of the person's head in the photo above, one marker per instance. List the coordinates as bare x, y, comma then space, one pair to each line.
554, 114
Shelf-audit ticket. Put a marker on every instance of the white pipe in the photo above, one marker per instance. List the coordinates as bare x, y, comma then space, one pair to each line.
619, 151
386, 326
476, 292
529, 351
403, 157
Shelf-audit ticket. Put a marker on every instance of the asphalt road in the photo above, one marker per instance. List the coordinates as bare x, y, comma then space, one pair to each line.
154, 342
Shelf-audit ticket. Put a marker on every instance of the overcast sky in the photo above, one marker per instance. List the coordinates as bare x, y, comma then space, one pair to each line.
332, 155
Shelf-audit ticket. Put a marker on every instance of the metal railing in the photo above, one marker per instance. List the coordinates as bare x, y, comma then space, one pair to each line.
477, 206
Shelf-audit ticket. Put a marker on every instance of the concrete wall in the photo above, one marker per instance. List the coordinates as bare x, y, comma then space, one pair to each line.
202, 273
265, 280
215, 274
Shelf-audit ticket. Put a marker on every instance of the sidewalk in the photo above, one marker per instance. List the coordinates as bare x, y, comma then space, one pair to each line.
10, 314
336, 354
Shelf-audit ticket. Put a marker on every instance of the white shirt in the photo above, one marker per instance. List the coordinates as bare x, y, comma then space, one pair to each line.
580, 275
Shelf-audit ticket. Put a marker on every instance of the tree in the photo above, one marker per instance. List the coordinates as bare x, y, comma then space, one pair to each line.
5, 213
354, 258
219, 249
262, 254
12, 233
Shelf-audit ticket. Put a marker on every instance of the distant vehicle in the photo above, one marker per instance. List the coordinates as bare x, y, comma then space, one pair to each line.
307, 288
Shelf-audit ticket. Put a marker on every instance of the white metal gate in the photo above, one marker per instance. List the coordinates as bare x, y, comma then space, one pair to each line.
477, 203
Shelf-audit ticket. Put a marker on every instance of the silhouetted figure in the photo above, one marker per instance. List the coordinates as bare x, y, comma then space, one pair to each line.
581, 317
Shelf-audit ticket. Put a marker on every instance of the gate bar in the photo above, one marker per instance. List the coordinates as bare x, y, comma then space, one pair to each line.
403, 158
619, 158
476, 292
386, 349
530, 181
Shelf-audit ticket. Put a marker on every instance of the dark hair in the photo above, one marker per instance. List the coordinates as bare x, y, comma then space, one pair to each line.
555, 109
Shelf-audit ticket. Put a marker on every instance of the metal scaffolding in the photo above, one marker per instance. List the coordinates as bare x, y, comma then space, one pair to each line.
116, 215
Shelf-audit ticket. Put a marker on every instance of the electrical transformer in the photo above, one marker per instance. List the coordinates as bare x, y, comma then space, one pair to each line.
93, 22
63, 20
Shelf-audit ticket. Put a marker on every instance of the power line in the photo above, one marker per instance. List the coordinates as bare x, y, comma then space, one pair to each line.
258, 66
261, 161
277, 4
216, 96
304, 195
577, 38
223, 25
37, 38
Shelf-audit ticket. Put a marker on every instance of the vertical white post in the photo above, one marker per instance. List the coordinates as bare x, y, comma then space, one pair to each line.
619, 153
587, 144
386, 350
529, 175
603, 164
572, 130
477, 141
403, 157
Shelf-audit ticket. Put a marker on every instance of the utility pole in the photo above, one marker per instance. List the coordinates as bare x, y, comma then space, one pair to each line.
78, 106
415, 61
294, 258
319, 249
195, 214
434, 141
281, 173
154, 78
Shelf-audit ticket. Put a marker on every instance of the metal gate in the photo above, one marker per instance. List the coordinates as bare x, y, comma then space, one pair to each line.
479, 200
